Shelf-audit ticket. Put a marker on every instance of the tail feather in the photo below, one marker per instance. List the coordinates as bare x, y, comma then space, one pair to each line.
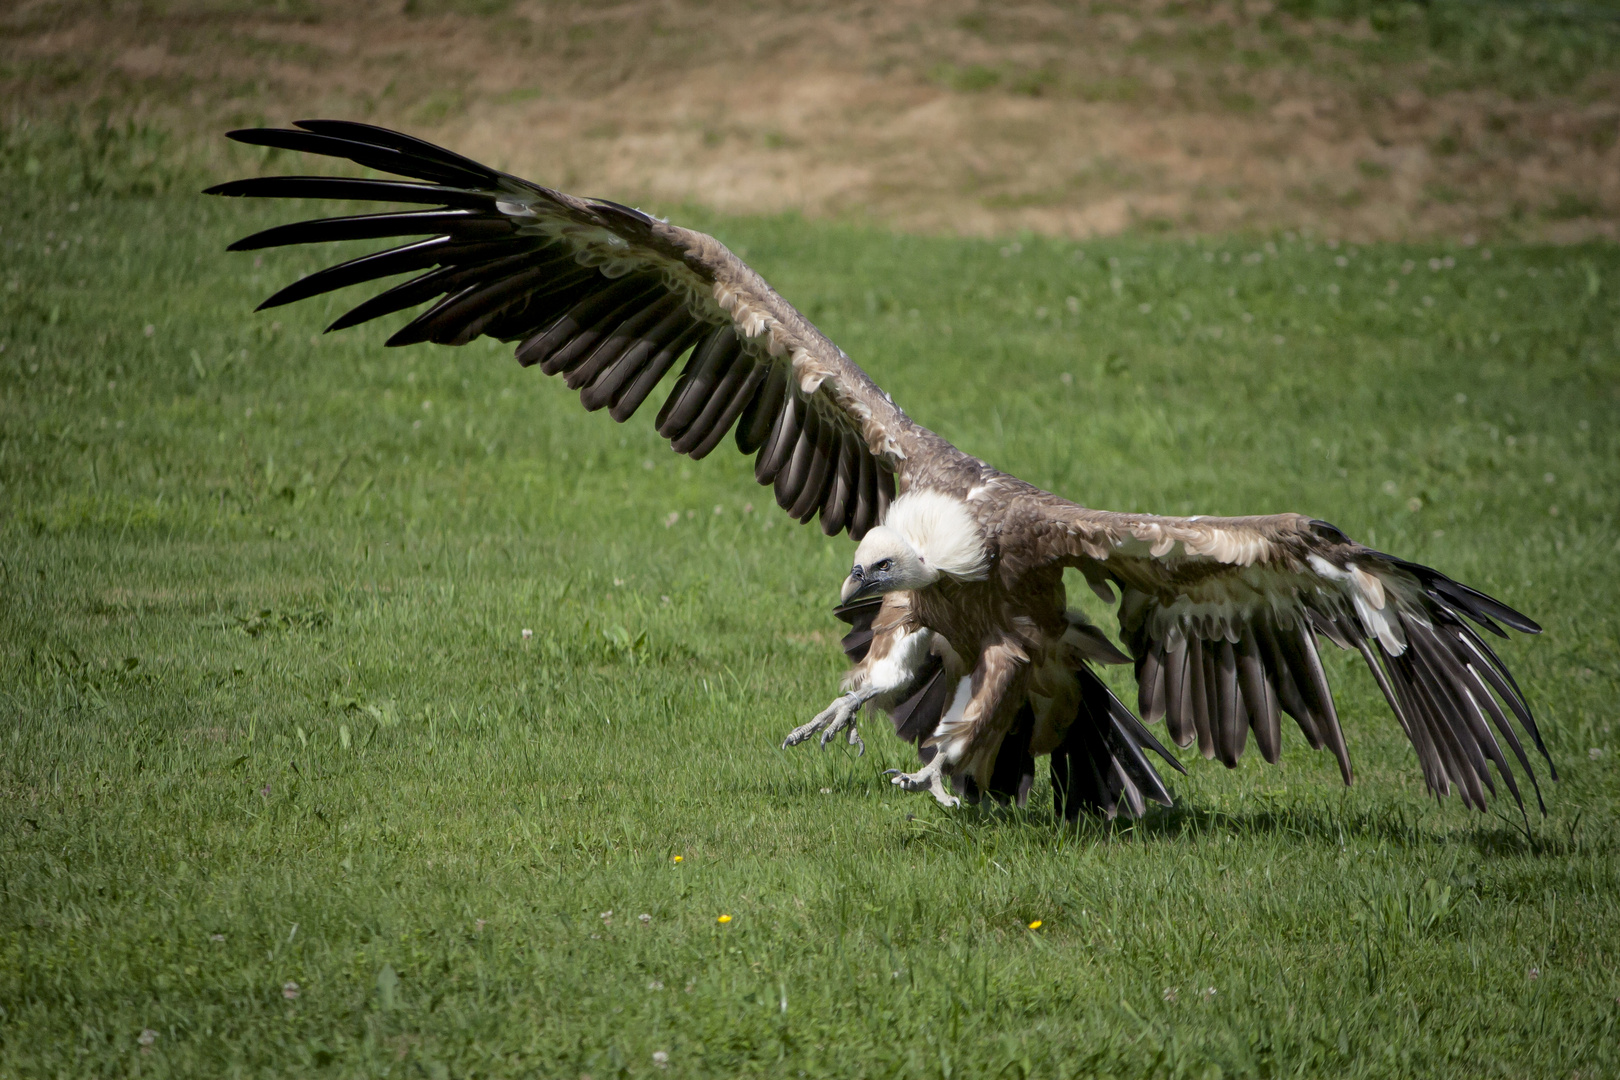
1100, 764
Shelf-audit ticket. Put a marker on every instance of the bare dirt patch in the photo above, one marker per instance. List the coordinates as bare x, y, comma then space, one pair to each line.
1073, 121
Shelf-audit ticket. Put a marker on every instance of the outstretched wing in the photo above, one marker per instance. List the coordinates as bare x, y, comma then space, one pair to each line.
1222, 616
609, 298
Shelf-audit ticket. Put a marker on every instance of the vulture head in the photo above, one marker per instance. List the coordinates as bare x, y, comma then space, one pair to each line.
886, 562
925, 535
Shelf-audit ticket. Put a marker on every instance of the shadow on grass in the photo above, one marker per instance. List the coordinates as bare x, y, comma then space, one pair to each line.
1320, 824
1403, 825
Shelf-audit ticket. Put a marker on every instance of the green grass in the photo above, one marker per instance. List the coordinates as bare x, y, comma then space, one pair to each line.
268, 717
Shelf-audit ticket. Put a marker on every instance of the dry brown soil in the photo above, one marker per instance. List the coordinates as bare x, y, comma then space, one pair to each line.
1066, 119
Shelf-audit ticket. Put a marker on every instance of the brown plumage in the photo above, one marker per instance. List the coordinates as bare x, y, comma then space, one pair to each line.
960, 627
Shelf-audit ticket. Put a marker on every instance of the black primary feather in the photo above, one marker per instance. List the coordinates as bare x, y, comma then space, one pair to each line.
790, 481
836, 507
623, 338
864, 513
727, 400
1201, 684
470, 312
779, 445
409, 145
460, 224
1178, 689
822, 459
382, 158
566, 343
400, 260
754, 427
707, 370
340, 187
1320, 700
1473, 603
757, 373
1150, 684
1261, 699
593, 305
1279, 665
1233, 730
611, 383
885, 491
636, 391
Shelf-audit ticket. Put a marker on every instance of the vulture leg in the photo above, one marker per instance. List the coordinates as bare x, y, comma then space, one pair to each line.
894, 654
833, 719
929, 778
984, 708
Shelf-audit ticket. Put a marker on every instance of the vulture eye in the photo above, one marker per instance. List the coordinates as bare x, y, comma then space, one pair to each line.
883, 565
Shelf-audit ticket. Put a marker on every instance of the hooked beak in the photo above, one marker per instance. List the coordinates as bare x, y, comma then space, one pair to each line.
858, 585
852, 585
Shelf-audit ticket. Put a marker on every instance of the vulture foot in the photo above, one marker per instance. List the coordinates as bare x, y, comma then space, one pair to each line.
830, 721
929, 778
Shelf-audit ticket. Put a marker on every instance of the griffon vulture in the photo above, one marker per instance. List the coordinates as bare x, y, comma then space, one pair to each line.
956, 597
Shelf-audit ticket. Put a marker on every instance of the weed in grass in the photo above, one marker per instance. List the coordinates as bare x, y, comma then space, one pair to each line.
333, 724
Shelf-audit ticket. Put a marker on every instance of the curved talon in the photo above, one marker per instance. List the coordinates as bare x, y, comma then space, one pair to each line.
930, 779
845, 718
804, 731
845, 711
830, 721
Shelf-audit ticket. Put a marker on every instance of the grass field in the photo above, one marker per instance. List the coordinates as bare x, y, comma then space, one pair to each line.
285, 790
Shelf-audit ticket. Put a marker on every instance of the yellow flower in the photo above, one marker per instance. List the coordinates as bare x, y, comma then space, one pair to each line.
723, 919
1036, 925
677, 858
